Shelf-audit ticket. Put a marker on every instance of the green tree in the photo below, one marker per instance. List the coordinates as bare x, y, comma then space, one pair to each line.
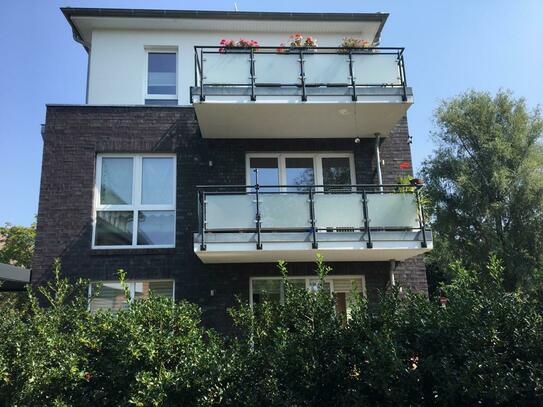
484, 183
17, 248
17, 244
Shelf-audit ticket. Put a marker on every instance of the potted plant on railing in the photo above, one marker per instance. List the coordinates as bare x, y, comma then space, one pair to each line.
404, 184
350, 43
407, 179
297, 41
408, 184
228, 45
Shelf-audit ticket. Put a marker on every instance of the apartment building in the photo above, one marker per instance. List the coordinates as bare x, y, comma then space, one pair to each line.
213, 144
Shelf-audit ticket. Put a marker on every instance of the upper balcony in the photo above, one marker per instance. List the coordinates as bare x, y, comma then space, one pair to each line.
251, 224
271, 92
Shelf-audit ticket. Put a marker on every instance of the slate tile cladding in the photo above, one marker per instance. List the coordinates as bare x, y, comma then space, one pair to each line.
75, 134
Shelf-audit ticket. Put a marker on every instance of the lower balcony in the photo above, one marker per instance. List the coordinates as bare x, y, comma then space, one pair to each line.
257, 224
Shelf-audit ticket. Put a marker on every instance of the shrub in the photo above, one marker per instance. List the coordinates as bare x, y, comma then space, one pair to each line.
484, 347
155, 352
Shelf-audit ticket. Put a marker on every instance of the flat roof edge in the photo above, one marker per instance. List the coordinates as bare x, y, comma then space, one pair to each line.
12, 273
212, 14
71, 12
119, 106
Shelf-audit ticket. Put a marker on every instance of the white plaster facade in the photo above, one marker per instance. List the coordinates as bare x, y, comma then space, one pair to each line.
118, 67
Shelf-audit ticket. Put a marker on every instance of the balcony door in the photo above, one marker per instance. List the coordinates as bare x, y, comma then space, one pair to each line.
293, 172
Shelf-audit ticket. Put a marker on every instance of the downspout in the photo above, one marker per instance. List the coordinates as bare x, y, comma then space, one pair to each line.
88, 77
391, 276
77, 36
79, 39
378, 161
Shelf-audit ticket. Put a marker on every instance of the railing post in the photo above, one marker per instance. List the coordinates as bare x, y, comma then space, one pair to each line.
253, 94
302, 75
315, 244
195, 67
369, 243
422, 222
351, 72
258, 218
202, 195
402, 75
201, 66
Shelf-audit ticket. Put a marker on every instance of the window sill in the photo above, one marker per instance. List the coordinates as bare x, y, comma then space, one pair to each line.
131, 252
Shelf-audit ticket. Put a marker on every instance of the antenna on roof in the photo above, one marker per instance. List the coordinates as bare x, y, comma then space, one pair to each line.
236, 6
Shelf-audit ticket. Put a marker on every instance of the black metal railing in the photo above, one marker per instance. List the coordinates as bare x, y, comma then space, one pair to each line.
251, 83
312, 192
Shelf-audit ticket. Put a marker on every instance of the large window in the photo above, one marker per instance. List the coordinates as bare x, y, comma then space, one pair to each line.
300, 169
111, 295
161, 85
342, 287
134, 201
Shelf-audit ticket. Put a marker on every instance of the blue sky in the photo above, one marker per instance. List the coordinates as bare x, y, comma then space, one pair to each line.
451, 46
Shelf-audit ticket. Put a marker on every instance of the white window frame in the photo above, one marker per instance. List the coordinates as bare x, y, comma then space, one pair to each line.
132, 286
317, 164
136, 206
161, 50
308, 279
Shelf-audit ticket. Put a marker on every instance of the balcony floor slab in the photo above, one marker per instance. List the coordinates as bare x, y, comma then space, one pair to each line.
231, 114
297, 247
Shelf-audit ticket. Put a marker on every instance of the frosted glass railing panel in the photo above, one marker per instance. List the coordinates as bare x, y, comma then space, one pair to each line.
230, 211
339, 211
393, 210
323, 68
227, 68
284, 210
376, 69
279, 69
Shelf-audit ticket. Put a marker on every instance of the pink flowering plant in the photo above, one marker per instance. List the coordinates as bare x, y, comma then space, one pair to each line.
298, 40
227, 43
245, 43
353, 42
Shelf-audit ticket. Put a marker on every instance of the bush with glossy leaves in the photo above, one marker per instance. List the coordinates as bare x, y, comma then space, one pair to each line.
485, 346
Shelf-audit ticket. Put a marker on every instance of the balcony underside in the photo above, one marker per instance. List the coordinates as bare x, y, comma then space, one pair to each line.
297, 246
228, 112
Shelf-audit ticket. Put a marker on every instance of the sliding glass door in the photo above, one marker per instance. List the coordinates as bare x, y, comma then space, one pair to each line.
296, 171
336, 171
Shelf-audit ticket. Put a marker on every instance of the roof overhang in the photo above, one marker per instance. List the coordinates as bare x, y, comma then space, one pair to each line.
13, 278
84, 20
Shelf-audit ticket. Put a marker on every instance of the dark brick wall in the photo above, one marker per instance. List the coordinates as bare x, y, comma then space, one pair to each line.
75, 134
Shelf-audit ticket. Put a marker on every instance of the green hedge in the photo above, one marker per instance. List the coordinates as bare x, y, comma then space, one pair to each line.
484, 347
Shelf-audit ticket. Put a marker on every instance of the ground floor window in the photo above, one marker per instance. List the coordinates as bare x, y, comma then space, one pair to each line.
110, 295
272, 289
